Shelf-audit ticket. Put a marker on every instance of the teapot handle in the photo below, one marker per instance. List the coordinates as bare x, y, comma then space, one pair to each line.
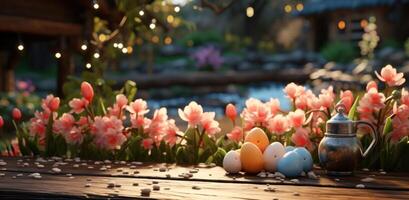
373, 134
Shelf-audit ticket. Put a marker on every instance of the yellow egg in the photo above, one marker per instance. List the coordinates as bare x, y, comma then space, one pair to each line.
251, 158
258, 137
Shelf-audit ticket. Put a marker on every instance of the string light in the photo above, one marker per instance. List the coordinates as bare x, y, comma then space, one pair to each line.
88, 65
115, 45
57, 55
299, 6
250, 11
152, 26
153, 20
288, 8
168, 40
129, 49
341, 25
141, 13
95, 4
155, 39
124, 50
96, 55
84, 47
120, 45
364, 23
170, 19
177, 9
20, 47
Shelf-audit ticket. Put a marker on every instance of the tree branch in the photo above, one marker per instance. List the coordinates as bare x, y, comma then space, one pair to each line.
216, 8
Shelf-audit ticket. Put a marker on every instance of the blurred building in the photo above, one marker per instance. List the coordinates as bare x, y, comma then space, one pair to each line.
344, 20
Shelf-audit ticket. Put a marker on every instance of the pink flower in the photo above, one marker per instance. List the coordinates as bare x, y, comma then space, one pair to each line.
402, 112
231, 112
157, 126
274, 105
236, 134
108, 132
171, 133
74, 136
296, 118
138, 107
347, 99
371, 84
400, 129
50, 102
16, 114
1, 122
78, 105
87, 91
256, 112
278, 125
390, 76
37, 128
300, 138
147, 143
370, 102
293, 91
138, 121
64, 124
404, 97
192, 114
83, 121
121, 101
210, 125
327, 97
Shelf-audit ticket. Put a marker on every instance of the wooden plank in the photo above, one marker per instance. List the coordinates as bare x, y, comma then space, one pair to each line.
38, 26
19, 185
389, 181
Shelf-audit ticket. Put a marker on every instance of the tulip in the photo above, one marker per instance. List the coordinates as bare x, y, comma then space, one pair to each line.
1, 122
231, 111
16, 113
87, 91
54, 104
390, 76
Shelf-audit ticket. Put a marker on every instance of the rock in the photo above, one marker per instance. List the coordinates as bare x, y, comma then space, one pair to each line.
367, 179
360, 186
2, 163
76, 165
156, 187
312, 175
40, 166
56, 170
88, 185
146, 192
295, 180
196, 187
262, 174
280, 175
2, 174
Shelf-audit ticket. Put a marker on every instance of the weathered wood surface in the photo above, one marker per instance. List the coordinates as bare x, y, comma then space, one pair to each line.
206, 182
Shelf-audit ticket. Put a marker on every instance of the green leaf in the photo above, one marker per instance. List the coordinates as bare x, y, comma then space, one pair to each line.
388, 126
353, 113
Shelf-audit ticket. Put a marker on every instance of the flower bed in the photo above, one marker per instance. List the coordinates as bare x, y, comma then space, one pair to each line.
91, 129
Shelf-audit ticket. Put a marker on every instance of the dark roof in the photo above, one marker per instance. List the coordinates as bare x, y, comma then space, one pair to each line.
320, 6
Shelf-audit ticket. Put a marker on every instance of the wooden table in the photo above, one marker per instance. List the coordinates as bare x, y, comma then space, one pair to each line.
91, 179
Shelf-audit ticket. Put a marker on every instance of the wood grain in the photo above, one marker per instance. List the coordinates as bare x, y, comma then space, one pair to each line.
206, 183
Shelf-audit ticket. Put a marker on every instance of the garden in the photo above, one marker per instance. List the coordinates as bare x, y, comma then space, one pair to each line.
183, 99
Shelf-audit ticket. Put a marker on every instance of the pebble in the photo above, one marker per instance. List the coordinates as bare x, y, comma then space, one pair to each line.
111, 184
146, 192
2, 174
196, 187
2, 163
69, 175
295, 180
107, 162
155, 182
278, 174
88, 185
162, 169
365, 169
193, 171
135, 184
296, 194
25, 165
97, 162
40, 166
270, 189
367, 180
337, 180
262, 174
103, 168
132, 167
156, 187
13, 177
312, 175
19, 175
383, 172
56, 170
360, 186
122, 162
303, 173
76, 165
212, 165
90, 167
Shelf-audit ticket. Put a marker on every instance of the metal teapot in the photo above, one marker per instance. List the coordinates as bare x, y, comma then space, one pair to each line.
340, 150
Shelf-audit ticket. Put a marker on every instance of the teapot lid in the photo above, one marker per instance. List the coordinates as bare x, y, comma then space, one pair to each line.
340, 123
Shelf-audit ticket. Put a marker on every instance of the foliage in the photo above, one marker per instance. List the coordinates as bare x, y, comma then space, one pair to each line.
343, 52
201, 38
369, 40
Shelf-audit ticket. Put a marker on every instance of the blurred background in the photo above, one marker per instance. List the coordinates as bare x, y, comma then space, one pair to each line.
210, 51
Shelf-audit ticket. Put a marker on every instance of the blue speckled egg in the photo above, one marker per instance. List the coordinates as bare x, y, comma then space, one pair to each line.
290, 164
306, 158
289, 148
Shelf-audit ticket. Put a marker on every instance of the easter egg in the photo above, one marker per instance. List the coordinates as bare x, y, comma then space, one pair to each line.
290, 164
306, 158
251, 158
232, 162
258, 137
272, 155
289, 148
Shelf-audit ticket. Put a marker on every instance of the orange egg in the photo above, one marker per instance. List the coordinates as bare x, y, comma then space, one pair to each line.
258, 137
251, 158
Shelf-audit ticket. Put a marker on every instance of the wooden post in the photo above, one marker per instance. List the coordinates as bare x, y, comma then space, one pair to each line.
65, 68
9, 62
